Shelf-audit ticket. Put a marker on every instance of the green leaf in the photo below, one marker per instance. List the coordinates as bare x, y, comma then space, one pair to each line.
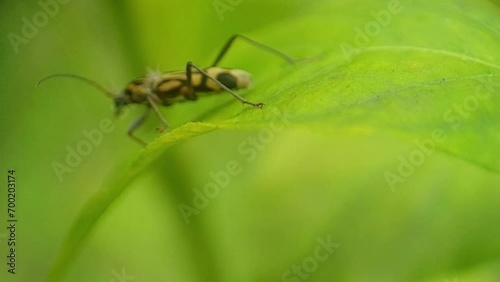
428, 74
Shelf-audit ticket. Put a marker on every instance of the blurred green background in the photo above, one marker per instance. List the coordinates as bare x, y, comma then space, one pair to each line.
308, 183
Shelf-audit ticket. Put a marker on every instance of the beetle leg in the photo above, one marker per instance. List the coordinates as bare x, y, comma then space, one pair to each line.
153, 105
137, 123
233, 38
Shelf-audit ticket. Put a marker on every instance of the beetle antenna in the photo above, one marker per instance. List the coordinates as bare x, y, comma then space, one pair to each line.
83, 79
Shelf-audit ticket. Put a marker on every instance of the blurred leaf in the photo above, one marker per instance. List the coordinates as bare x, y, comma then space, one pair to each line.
398, 82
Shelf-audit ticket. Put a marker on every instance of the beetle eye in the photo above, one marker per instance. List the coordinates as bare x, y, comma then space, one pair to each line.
119, 103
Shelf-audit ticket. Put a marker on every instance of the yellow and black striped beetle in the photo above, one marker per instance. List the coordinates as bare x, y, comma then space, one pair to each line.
172, 87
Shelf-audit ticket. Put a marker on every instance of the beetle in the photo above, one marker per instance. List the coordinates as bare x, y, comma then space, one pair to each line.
168, 88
